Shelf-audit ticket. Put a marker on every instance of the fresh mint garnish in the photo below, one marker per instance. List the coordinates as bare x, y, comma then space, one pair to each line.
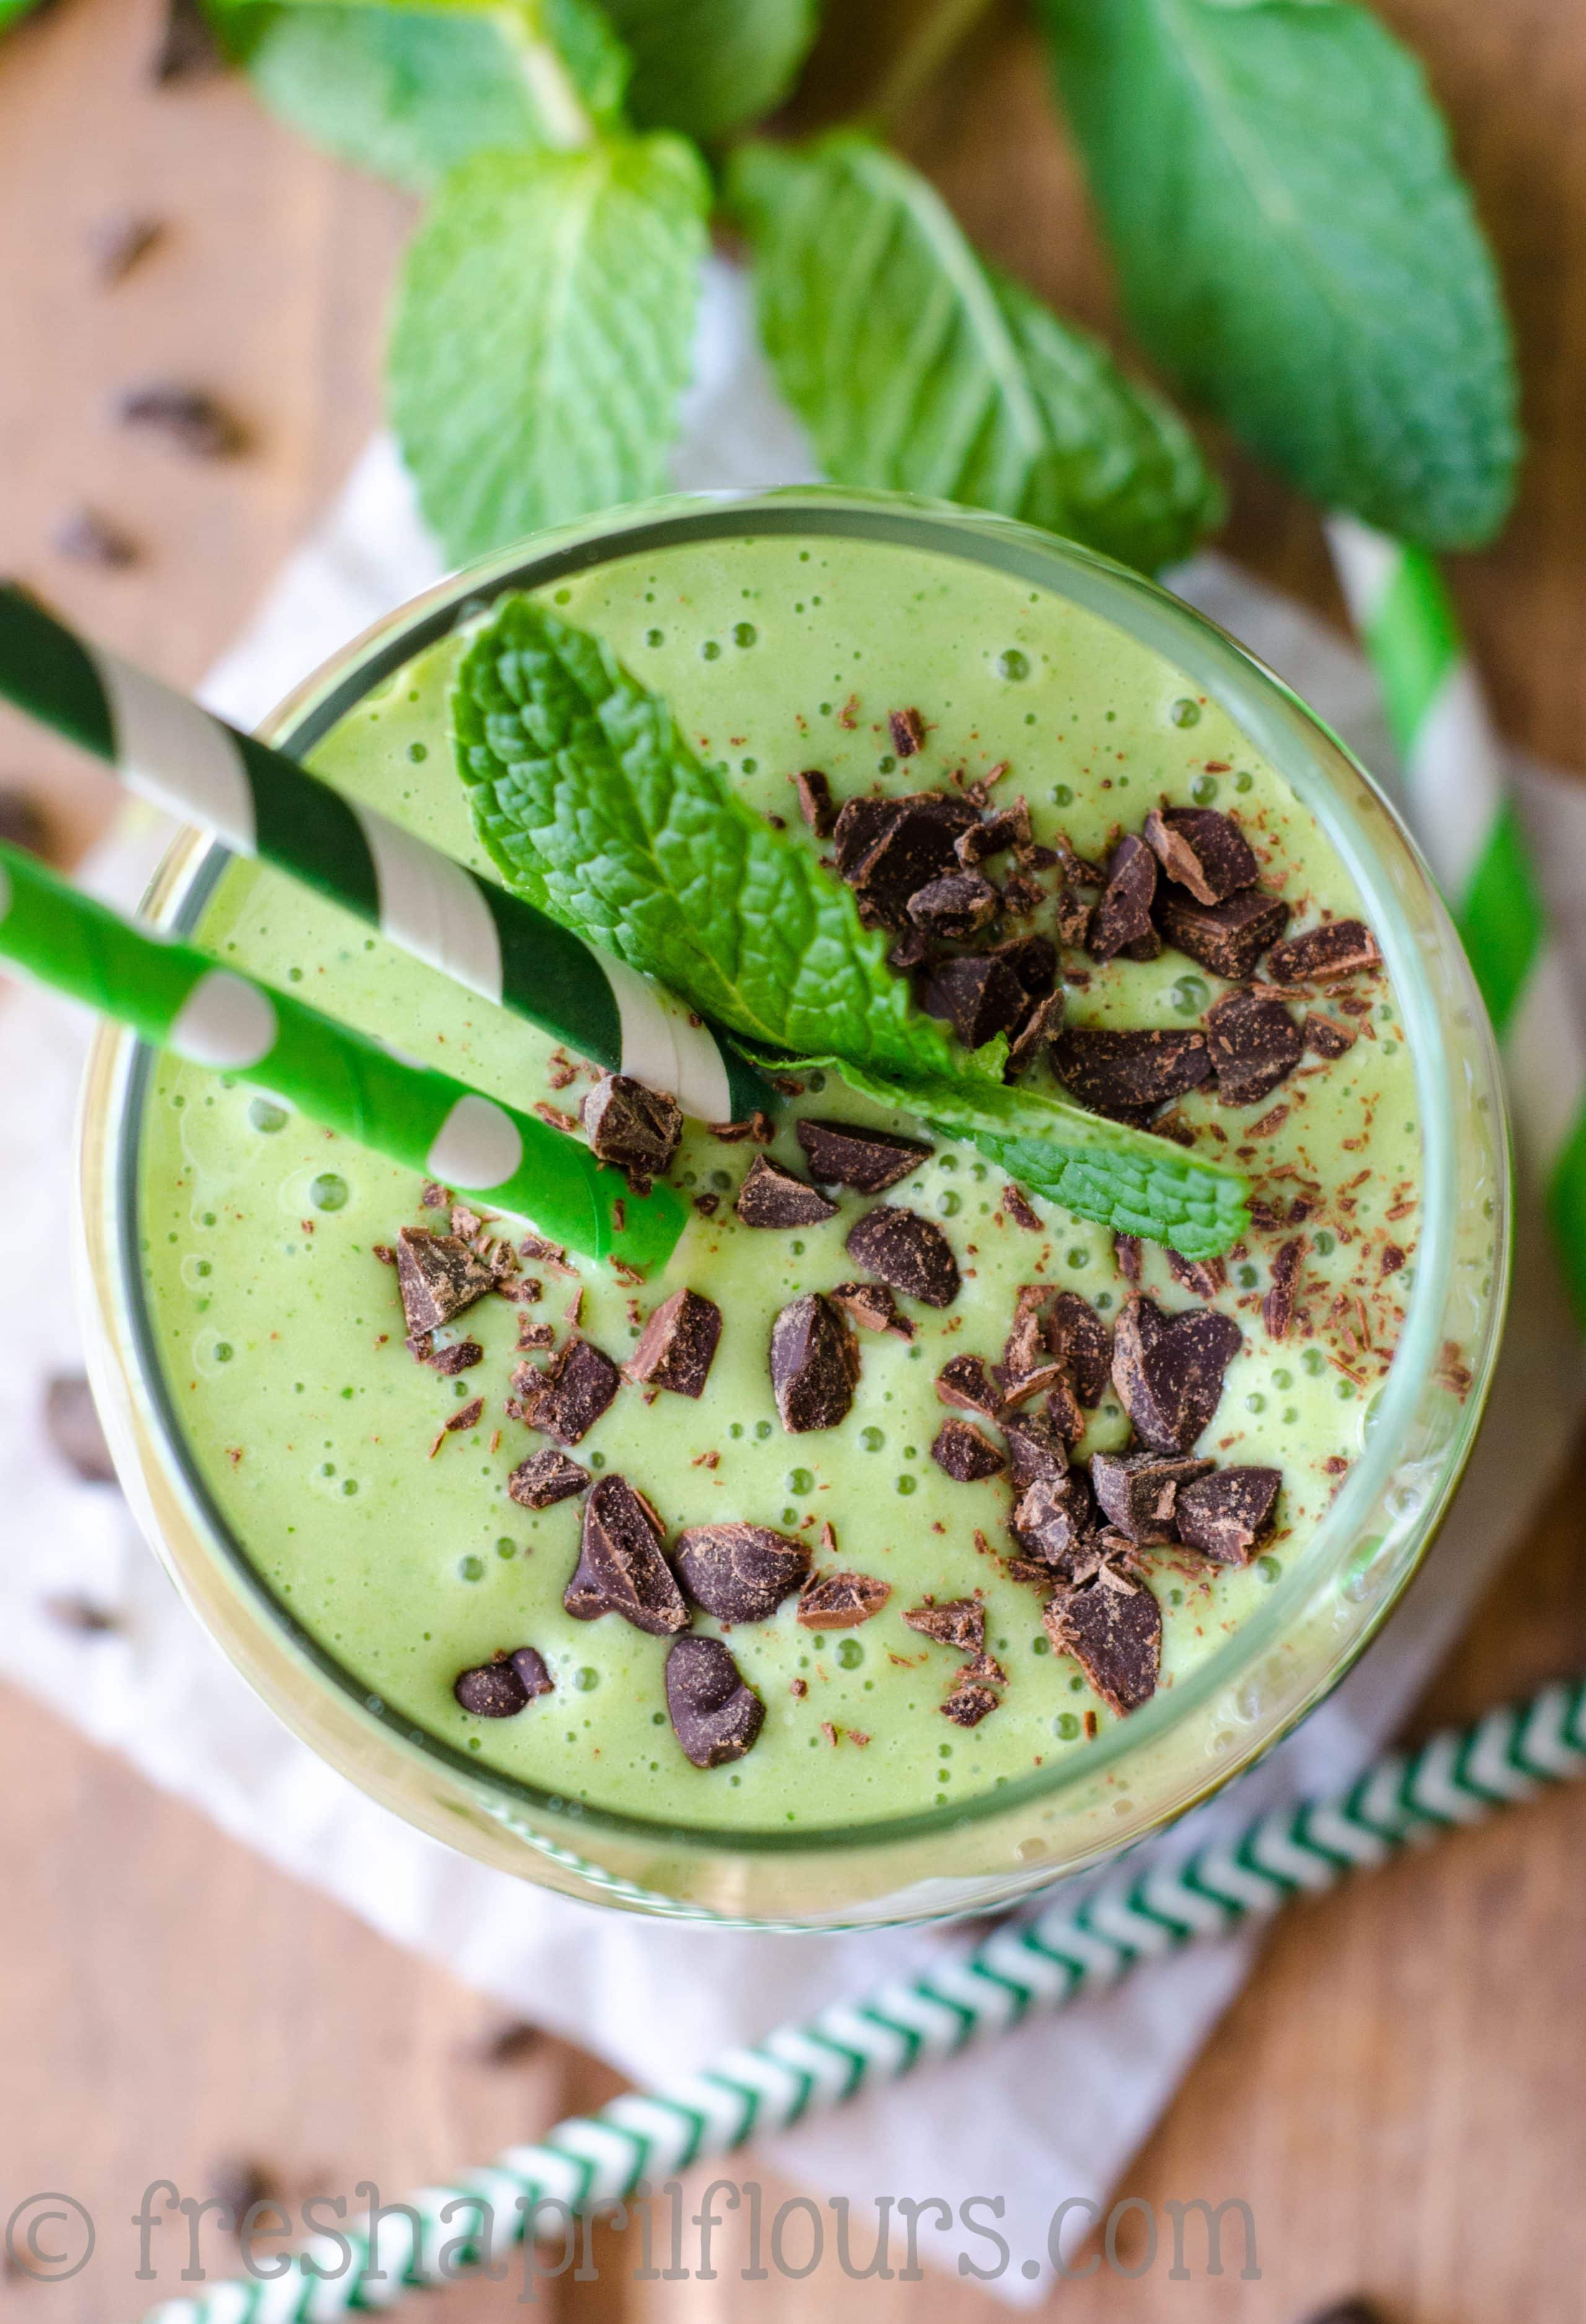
916, 364
705, 66
595, 808
544, 334
1297, 250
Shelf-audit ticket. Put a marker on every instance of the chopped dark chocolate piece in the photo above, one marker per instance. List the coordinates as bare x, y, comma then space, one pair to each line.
1073, 915
494, 1690
634, 1129
970, 1702
189, 420
1023, 1388
816, 803
547, 1476
1138, 1491
1053, 1522
1169, 1370
567, 1399
772, 1196
1016, 1202
1020, 896
910, 1252
1026, 1346
959, 1622
1043, 1025
532, 1335
716, 1716
814, 1362
1128, 1251
979, 996
86, 538
1227, 1515
1121, 921
1036, 1449
1227, 939
438, 1275
1033, 959
1112, 1627
840, 1154
1277, 1307
72, 1423
460, 1357
1254, 1045
859, 825
739, 1573
1063, 1409
1325, 1038
873, 1306
677, 1345
1206, 1277
965, 1383
961, 1452
621, 1567
1324, 956
955, 907
915, 847
469, 1415
907, 728
1203, 851
1083, 1344
530, 1665
1008, 827
841, 1601
1113, 1073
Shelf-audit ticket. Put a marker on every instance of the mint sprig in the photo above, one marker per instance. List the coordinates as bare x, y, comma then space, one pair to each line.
594, 806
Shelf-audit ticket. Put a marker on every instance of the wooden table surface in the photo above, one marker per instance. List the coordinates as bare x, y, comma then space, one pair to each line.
1397, 2092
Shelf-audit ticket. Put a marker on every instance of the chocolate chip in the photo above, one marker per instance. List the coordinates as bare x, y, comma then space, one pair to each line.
1073, 915
968, 1703
1277, 1307
1324, 1037
1227, 939
813, 1363
955, 907
873, 1306
567, 1399
72, 1423
1042, 1025
1008, 828
116, 242
959, 1622
1053, 1521
1254, 1045
23, 823
839, 1154
1169, 1370
859, 825
621, 1567
530, 1665
1112, 1627
978, 997
438, 1275
1016, 1202
1139, 1491
1121, 921
739, 1573
772, 1196
89, 538
1119, 1073
965, 1383
910, 1252
1203, 851
961, 1452
494, 1690
714, 1716
1036, 1449
190, 421
841, 1601
1083, 1344
1226, 1516
460, 1357
1324, 956
1033, 959
468, 1415
915, 847
634, 1129
907, 728
189, 49
911, 950
677, 1345
547, 1476
816, 803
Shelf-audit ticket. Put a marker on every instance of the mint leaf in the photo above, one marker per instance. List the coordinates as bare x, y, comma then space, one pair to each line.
1297, 250
706, 67
543, 334
914, 364
595, 808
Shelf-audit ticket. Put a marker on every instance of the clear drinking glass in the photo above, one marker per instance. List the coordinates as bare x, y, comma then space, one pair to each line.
1138, 1774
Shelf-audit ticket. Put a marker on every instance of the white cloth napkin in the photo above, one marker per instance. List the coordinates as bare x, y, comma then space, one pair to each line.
1057, 2109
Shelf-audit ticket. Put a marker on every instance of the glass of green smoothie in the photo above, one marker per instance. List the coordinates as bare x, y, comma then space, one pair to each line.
908, 1543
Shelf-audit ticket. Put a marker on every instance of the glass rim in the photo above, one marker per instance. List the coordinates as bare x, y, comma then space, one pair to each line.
1279, 724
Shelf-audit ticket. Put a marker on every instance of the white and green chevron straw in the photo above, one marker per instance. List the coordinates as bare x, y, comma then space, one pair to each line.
630, 2146
177, 999
258, 801
1465, 816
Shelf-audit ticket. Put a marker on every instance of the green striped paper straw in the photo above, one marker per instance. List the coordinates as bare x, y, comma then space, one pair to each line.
1465, 816
849, 2049
176, 999
258, 801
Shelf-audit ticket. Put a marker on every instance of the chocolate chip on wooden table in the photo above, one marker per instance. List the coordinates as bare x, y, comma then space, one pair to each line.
1083, 1344
716, 1716
438, 1274
72, 1424
965, 1383
910, 1252
567, 1399
1203, 851
1324, 956
907, 728
502, 1688
1254, 1045
1169, 1370
1226, 1516
958, 1622
636, 1130
816, 803
191, 421
774, 1197
1139, 1491
677, 1345
962, 1452
621, 1568
739, 1573
873, 1306
841, 1601
545, 1477
1114, 1073
955, 907
841, 1154
1121, 921
814, 1362
979, 996
1111, 1625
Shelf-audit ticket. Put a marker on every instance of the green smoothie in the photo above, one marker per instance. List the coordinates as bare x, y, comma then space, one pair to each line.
393, 1539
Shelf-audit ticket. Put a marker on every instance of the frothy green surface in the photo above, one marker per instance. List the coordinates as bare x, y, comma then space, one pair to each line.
280, 1333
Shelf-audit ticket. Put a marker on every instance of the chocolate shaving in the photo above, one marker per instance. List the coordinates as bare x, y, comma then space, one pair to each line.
910, 1252
841, 1155
1121, 921
1324, 956
739, 1573
775, 1197
816, 803
965, 1383
955, 907
621, 1567
873, 1306
1112, 1627
1277, 1307
468, 1415
1254, 1045
1167, 1369
677, 1345
1227, 939
814, 1362
716, 1716
907, 728
189, 420
979, 997
1325, 1038
961, 1452
1138, 1491
1119, 1072
636, 1130
567, 1399
438, 1274
1226, 1516
841, 1601
960, 1622
545, 1477
1203, 851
